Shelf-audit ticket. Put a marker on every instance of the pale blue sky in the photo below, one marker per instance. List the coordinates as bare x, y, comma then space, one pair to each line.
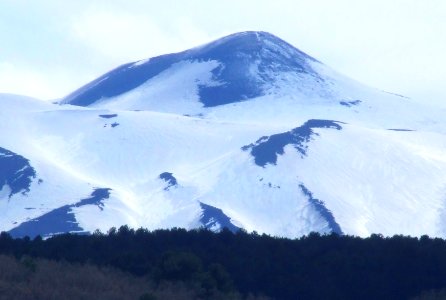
50, 47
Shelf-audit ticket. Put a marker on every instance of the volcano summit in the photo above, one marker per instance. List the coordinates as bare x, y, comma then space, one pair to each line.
244, 132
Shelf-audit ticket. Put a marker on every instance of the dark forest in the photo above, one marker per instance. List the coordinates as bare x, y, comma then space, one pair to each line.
207, 265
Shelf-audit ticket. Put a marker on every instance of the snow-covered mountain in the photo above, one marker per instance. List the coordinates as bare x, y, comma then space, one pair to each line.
244, 132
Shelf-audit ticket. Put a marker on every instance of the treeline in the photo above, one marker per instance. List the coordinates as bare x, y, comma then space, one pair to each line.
240, 265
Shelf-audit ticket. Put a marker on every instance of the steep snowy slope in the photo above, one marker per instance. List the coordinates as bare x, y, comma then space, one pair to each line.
244, 132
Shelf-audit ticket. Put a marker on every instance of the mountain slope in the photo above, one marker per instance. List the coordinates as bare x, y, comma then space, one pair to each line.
244, 132
235, 68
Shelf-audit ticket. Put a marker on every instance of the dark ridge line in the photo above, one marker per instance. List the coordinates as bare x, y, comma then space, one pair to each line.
60, 220
212, 216
319, 205
400, 129
108, 116
350, 103
170, 179
15, 172
266, 149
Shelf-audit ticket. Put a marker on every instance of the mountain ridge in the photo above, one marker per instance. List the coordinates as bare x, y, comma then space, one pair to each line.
308, 150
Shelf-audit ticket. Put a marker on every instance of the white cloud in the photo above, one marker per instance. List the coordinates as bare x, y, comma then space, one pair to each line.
24, 81
48, 84
124, 37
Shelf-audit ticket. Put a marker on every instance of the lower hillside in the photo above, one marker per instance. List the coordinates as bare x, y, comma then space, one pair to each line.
30, 278
180, 264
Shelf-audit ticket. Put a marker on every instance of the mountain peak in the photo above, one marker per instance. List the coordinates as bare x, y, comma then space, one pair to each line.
244, 39
249, 40
244, 65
